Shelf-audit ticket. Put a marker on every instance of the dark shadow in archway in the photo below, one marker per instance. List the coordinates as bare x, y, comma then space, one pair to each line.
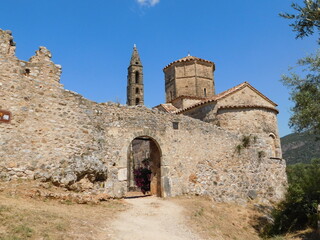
144, 155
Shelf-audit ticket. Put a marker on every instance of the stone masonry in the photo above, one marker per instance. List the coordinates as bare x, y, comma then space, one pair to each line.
58, 136
135, 91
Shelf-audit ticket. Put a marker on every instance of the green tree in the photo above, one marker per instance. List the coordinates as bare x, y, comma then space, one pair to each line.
305, 93
299, 209
305, 89
307, 19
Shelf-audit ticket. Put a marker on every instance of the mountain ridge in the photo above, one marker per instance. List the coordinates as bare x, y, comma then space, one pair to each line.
300, 147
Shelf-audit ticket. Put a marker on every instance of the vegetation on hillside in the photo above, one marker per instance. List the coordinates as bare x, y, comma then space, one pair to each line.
305, 88
299, 209
300, 148
305, 93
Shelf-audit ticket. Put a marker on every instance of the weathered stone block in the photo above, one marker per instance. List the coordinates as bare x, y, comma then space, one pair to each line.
122, 174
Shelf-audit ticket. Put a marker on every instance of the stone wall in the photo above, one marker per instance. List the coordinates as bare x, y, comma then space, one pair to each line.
57, 135
191, 79
244, 112
184, 102
170, 86
258, 122
205, 112
135, 88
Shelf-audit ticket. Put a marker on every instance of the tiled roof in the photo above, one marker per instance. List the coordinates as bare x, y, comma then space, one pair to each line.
247, 106
168, 107
225, 94
187, 59
230, 91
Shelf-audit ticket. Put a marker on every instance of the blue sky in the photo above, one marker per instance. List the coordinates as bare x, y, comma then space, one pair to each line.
93, 41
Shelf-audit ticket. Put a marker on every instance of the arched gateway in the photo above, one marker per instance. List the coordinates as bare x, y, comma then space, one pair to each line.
144, 166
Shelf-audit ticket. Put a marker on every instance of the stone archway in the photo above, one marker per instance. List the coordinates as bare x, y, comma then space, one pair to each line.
144, 152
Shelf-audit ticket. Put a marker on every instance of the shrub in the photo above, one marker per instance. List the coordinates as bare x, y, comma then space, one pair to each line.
299, 208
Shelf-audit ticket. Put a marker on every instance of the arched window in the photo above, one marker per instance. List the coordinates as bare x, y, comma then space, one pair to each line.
137, 90
272, 141
205, 92
137, 77
137, 101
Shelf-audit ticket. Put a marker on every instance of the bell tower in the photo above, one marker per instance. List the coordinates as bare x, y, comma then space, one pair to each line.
135, 80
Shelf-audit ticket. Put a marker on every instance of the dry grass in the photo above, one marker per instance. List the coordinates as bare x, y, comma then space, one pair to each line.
23, 217
224, 221
218, 220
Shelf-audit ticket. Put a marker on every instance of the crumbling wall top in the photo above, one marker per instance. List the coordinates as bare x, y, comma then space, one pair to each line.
39, 67
7, 45
42, 55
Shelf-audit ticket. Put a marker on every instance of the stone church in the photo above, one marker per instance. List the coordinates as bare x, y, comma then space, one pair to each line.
198, 142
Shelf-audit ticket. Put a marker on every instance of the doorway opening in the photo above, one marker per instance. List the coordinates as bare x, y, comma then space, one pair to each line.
144, 167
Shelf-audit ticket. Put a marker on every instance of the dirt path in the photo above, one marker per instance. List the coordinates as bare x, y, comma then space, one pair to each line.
151, 218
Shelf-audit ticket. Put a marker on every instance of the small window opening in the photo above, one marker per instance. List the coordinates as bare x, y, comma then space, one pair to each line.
171, 95
273, 144
27, 72
205, 92
137, 90
137, 77
137, 63
175, 125
137, 101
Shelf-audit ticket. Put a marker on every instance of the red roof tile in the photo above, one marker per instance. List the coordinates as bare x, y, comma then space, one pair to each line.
225, 94
188, 59
247, 106
168, 107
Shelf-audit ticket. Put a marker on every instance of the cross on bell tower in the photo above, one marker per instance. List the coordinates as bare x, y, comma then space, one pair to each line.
135, 80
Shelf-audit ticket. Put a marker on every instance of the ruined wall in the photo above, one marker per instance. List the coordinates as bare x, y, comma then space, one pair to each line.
59, 136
